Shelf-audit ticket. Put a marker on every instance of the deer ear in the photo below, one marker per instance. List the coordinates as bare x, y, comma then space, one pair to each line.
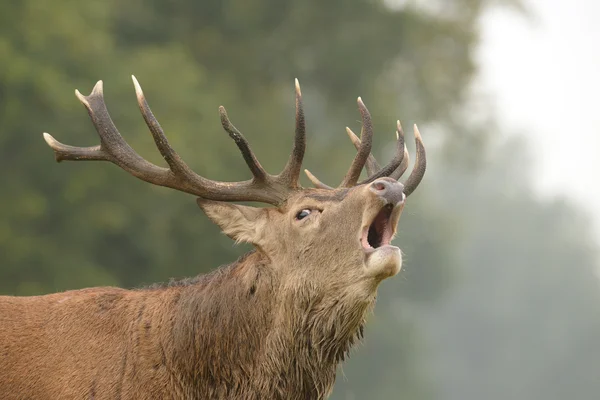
241, 223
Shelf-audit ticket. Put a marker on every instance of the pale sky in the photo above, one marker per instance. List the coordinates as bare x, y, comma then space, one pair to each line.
543, 73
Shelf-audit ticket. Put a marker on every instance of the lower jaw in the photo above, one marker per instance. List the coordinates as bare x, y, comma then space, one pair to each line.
383, 262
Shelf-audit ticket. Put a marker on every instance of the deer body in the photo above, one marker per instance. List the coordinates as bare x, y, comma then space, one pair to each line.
229, 335
273, 325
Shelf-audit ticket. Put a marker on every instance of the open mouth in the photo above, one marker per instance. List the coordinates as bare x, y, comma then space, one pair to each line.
380, 232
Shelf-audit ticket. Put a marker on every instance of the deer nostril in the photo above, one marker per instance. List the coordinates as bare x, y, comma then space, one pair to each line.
388, 189
379, 185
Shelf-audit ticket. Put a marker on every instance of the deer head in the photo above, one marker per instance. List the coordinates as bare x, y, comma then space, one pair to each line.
328, 248
335, 236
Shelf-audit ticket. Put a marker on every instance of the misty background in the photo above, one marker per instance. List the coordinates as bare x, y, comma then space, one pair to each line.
498, 297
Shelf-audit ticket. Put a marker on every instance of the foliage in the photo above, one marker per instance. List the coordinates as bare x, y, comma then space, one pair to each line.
468, 240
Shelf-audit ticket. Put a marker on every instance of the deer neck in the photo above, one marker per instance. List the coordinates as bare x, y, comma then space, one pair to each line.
313, 332
241, 331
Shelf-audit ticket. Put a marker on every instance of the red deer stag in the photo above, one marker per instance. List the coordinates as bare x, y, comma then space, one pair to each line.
274, 324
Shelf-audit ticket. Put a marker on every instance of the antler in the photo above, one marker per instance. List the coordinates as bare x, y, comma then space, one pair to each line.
263, 187
395, 169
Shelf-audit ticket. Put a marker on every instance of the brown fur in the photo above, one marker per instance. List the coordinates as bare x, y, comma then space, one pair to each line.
273, 325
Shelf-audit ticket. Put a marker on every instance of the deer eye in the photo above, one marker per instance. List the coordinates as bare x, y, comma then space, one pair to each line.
303, 214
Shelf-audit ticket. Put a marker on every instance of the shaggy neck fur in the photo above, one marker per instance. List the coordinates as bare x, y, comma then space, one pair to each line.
243, 333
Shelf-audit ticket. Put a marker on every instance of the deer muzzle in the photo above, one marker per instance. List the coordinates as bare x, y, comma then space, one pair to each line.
379, 227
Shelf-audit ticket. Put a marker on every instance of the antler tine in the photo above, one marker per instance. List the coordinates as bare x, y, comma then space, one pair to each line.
257, 170
366, 138
66, 152
371, 164
420, 164
176, 164
316, 181
396, 161
178, 176
403, 165
291, 171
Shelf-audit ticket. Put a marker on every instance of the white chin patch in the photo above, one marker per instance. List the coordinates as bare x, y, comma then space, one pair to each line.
384, 262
